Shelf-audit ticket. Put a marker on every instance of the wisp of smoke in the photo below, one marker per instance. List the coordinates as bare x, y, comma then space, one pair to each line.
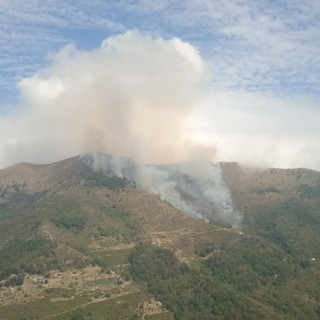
134, 96
195, 188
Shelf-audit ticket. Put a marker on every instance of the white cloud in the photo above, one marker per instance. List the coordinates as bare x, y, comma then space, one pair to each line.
261, 129
256, 45
29, 30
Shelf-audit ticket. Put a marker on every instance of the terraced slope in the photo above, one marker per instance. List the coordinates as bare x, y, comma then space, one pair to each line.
75, 244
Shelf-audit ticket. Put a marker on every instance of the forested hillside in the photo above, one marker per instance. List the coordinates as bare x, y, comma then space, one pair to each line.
79, 245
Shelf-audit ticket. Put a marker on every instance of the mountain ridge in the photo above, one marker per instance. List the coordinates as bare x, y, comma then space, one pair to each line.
78, 244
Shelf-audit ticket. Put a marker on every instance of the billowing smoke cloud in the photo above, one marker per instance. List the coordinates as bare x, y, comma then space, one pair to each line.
195, 187
145, 98
135, 96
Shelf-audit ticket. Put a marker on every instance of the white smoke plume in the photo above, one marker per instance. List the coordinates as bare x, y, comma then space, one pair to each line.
197, 188
135, 96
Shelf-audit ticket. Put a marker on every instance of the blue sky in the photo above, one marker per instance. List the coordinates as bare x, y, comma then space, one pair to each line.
255, 45
262, 58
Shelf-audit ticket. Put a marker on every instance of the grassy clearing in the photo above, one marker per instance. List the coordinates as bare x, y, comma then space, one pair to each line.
39, 309
99, 283
160, 316
120, 307
106, 259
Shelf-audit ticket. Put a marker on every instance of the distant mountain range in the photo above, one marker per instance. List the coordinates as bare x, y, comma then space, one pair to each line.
103, 237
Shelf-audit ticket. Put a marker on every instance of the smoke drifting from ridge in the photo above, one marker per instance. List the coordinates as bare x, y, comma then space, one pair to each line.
197, 188
135, 97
